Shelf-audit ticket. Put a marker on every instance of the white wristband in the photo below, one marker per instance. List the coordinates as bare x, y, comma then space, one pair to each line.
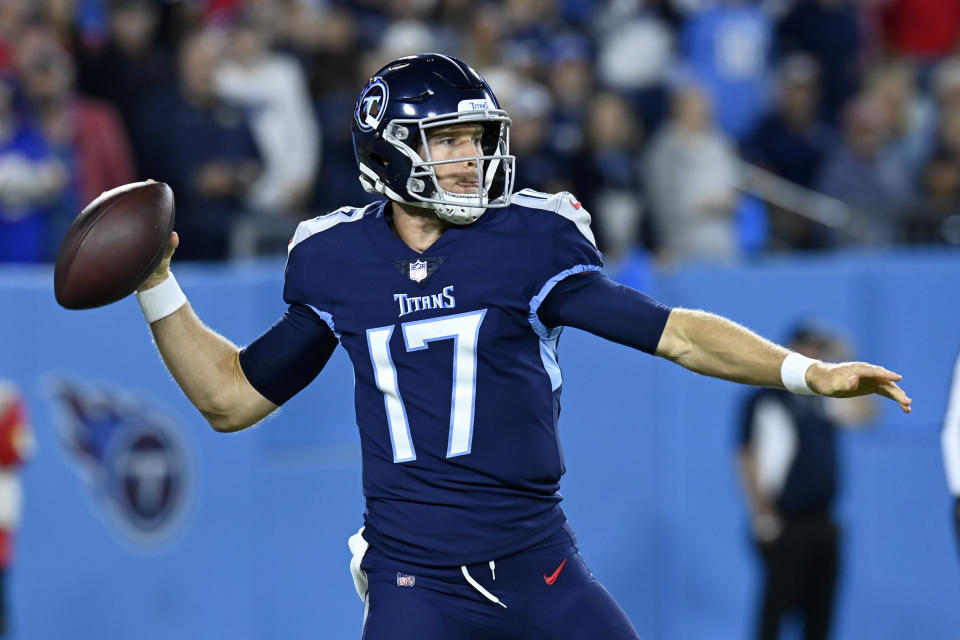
162, 300
793, 373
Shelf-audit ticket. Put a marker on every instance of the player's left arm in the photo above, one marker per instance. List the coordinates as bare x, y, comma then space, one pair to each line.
715, 346
702, 342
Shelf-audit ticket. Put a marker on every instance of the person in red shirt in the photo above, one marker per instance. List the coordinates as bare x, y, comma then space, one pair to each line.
924, 30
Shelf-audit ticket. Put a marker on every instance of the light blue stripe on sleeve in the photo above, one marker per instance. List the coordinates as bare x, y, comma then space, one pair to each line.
550, 337
326, 317
538, 299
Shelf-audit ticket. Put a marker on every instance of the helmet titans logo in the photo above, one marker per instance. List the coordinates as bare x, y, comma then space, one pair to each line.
132, 458
372, 105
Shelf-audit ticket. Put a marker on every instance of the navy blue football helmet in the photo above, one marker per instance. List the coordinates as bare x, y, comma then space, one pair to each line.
400, 104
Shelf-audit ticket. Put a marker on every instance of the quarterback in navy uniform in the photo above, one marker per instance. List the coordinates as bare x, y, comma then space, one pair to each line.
449, 297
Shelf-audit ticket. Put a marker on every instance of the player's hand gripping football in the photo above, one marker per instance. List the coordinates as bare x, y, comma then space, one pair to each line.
164, 267
849, 379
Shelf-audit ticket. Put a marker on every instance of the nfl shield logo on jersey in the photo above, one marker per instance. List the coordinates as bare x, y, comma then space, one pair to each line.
406, 580
418, 271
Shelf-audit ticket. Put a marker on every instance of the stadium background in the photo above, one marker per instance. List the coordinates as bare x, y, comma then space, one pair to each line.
243, 536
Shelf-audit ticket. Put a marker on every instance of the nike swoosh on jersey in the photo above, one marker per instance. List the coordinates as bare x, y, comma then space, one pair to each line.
576, 204
553, 576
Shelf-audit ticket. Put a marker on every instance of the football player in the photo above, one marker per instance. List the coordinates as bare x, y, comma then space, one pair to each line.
450, 296
950, 441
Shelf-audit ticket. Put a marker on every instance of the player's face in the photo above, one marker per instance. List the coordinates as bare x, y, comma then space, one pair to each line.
456, 141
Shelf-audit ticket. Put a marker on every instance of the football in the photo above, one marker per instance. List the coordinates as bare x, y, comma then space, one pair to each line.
114, 245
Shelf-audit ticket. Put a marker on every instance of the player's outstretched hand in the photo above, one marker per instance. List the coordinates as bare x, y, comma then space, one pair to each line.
849, 379
164, 267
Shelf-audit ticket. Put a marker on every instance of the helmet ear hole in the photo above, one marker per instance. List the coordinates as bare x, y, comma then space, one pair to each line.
379, 160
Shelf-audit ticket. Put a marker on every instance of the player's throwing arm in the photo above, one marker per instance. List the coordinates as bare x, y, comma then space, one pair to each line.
205, 364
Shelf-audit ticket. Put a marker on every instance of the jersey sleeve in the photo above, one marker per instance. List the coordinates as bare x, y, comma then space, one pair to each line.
284, 359
571, 248
289, 355
594, 303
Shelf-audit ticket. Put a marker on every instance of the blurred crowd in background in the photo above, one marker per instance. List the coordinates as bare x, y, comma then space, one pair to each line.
693, 130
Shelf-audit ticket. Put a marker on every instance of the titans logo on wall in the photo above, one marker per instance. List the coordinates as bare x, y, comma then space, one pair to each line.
372, 105
131, 456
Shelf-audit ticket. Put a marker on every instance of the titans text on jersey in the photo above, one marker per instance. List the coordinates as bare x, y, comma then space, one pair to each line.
442, 300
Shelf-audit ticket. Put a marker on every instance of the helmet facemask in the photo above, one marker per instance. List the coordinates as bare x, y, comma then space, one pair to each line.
495, 168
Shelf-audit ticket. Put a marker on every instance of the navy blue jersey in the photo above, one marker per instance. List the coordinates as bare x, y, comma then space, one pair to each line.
457, 380
794, 440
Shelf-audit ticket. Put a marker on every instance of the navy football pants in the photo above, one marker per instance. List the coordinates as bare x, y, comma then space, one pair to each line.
548, 592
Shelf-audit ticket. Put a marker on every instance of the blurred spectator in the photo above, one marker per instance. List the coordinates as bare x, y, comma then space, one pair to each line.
130, 66
273, 89
865, 170
792, 142
828, 30
727, 48
635, 55
544, 167
87, 135
16, 446
941, 177
404, 38
31, 179
937, 218
923, 30
329, 53
946, 84
787, 462
12, 16
892, 84
691, 176
62, 18
484, 35
203, 148
307, 27
570, 80
607, 175
531, 28
335, 78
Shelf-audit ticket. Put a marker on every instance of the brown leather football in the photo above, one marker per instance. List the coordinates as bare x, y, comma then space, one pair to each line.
114, 245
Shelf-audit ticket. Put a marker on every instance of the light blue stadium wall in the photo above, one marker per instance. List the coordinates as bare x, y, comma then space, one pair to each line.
650, 488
